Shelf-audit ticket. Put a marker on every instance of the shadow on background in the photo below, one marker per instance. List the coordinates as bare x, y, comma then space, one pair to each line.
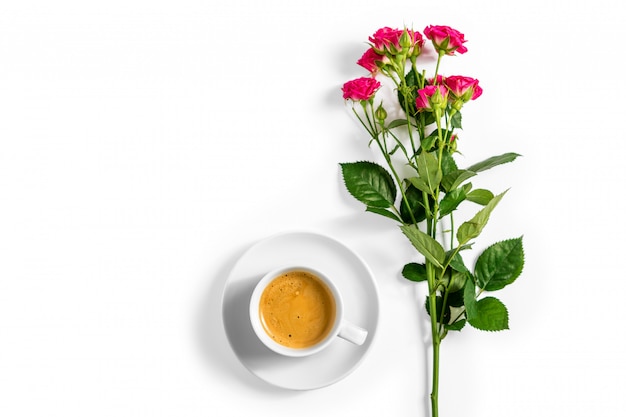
221, 330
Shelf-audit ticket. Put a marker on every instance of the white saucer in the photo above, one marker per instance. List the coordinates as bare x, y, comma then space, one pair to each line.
353, 279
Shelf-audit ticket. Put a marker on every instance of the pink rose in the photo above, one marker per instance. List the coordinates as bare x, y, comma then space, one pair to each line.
387, 40
464, 88
431, 97
385, 37
370, 60
359, 89
438, 81
446, 40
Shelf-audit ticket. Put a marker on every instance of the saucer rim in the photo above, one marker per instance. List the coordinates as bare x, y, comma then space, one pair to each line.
373, 306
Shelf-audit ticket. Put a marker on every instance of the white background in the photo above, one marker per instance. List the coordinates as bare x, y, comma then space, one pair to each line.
144, 145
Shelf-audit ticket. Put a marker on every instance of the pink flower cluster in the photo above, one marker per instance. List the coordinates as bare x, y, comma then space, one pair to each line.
457, 88
396, 41
388, 44
391, 48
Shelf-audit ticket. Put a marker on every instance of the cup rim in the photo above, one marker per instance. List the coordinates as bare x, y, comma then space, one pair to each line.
271, 343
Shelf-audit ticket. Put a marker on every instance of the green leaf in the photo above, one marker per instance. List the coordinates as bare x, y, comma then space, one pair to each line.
439, 305
456, 178
420, 184
457, 263
452, 200
472, 228
369, 183
429, 141
456, 120
456, 281
415, 200
456, 326
493, 161
384, 212
489, 314
469, 299
455, 298
414, 79
485, 314
429, 117
459, 274
500, 264
448, 164
428, 170
480, 196
426, 245
397, 123
414, 272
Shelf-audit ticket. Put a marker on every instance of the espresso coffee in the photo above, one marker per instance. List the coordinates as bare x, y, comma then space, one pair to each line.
297, 309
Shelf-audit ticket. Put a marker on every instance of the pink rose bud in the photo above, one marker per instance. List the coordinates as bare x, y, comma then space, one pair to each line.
463, 88
431, 97
446, 40
360, 89
453, 143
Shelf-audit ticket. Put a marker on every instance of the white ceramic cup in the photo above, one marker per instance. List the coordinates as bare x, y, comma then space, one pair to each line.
341, 328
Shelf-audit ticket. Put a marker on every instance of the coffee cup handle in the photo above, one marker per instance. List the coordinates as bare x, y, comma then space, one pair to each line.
352, 333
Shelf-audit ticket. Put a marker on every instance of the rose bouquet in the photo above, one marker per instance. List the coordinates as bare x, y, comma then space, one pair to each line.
421, 187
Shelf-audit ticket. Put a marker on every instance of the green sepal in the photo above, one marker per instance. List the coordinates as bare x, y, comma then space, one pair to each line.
426, 245
369, 183
414, 272
500, 264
